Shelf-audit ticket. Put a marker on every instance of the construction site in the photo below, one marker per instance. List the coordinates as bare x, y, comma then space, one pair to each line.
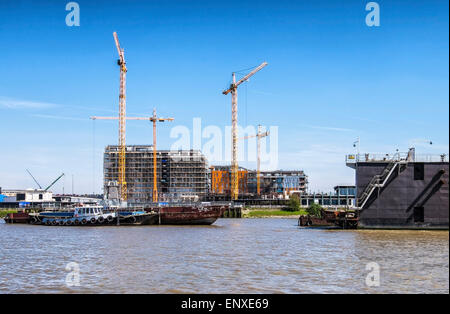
184, 176
141, 174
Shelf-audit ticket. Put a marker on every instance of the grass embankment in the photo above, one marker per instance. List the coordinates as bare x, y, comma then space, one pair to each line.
3, 212
271, 212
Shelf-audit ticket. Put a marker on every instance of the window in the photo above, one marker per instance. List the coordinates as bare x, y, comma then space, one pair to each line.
419, 215
40, 196
419, 171
20, 197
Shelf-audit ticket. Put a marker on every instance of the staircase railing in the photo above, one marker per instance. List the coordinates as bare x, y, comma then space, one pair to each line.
378, 181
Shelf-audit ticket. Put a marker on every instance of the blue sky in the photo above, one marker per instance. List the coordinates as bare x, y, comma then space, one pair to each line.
330, 79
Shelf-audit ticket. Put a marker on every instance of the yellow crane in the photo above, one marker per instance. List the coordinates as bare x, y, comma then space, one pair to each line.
154, 118
259, 136
234, 128
122, 120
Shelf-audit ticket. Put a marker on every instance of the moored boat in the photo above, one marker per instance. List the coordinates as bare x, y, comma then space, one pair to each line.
91, 215
84, 216
189, 215
17, 218
138, 218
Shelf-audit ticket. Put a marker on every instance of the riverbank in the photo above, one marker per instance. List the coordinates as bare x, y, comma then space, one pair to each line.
271, 213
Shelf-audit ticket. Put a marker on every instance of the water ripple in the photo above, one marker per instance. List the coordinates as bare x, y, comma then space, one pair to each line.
232, 256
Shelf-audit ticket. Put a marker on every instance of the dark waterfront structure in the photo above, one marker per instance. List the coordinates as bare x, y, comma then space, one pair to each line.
402, 191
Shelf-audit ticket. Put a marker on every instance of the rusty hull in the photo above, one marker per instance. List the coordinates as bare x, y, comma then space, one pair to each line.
189, 215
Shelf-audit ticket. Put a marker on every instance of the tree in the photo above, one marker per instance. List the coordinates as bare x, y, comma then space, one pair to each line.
294, 203
315, 210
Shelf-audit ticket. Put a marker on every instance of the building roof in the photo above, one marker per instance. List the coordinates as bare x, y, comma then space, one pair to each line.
25, 191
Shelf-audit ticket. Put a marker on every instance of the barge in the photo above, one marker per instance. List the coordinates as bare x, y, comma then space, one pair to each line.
189, 215
345, 219
96, 215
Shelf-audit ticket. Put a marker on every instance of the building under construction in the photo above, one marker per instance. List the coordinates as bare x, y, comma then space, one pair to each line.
221, 180
279, 182
181, 175
273, 183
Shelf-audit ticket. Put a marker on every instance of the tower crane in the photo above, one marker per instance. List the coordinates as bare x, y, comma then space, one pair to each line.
122, 120
154, 118
259, 136
234, 129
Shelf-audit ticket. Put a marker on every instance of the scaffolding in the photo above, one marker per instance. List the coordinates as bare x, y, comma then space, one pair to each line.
181, 174
272, 182
221, 180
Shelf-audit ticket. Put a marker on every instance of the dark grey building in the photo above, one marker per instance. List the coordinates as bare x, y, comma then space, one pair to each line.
402, 190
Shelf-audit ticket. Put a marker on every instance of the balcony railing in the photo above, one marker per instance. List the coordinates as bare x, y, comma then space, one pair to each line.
355, 158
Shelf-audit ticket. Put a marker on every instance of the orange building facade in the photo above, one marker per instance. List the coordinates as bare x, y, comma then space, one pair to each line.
220, 181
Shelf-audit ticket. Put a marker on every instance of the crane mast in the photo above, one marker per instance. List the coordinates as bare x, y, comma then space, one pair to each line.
259, 136
234, 133
234, 128
122, 120
155, 119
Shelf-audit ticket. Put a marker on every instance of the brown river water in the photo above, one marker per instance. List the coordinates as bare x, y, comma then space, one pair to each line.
231, 256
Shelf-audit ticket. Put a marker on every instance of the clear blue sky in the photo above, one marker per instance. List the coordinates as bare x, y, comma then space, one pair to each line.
330, 79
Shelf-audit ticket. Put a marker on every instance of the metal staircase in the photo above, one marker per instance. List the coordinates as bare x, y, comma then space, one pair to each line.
378, 181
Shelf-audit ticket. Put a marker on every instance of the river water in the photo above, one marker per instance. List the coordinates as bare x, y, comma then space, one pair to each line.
231, 256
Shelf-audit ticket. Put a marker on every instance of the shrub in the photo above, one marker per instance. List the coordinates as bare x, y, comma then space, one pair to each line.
315, 210
294, 203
